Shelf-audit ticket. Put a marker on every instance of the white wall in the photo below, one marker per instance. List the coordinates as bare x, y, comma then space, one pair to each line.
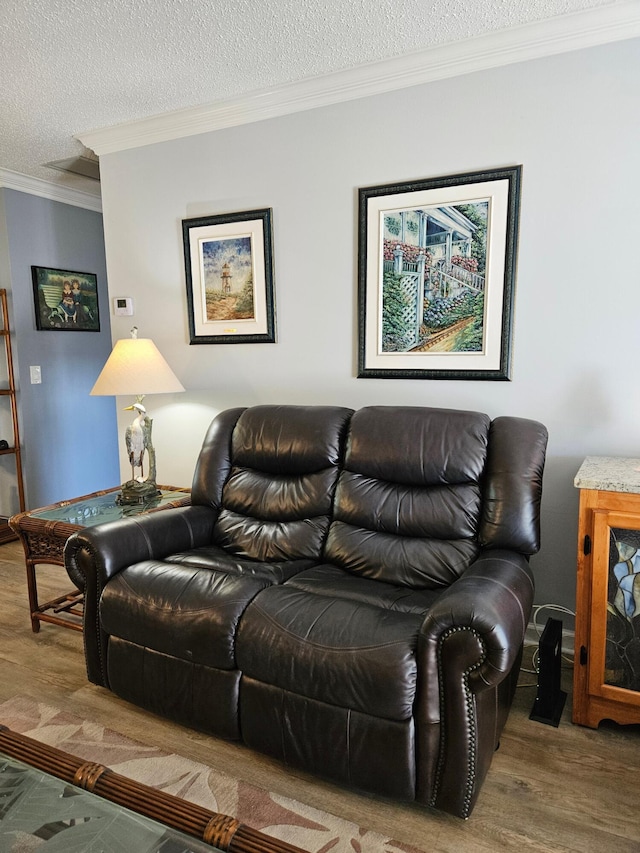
572, 121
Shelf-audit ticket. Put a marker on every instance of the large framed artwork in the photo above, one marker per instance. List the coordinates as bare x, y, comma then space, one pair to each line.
229, 277
436, 276
65, 301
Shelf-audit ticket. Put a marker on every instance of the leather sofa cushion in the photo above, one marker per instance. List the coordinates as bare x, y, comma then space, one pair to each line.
419, 563
217, 559
333, 582
407, 511
343, 652
188, 612
429, 446
271, 517
277, 500
437, 511
290, 440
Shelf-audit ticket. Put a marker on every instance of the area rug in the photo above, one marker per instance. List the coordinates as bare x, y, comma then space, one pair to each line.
284, 818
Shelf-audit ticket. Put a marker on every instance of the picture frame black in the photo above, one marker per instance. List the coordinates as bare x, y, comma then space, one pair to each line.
436, 276
65, 300
229, 277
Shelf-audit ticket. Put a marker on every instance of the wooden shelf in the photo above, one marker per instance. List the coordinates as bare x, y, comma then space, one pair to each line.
6, 534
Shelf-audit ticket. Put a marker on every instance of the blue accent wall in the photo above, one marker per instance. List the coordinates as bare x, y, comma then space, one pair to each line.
69, 439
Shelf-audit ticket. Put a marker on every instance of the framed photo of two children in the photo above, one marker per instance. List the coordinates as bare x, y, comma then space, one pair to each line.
65, 301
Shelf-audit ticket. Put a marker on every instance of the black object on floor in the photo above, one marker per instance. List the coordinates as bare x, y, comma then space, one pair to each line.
550, 699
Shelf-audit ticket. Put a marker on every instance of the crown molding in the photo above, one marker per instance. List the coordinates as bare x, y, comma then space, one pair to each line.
46, 189
531, 41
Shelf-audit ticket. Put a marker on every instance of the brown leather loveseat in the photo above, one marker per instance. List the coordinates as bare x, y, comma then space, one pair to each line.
348, 592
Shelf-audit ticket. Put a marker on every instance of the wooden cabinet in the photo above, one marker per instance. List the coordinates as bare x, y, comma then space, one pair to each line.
14, 494
606, 683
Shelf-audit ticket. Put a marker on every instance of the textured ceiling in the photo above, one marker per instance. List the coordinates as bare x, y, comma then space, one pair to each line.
67, 66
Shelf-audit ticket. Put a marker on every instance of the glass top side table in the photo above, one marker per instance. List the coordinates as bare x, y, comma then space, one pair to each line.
44, 532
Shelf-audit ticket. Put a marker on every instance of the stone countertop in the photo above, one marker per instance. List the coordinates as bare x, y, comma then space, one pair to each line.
609, 474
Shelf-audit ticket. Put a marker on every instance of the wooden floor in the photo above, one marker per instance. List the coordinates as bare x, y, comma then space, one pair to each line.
549, 789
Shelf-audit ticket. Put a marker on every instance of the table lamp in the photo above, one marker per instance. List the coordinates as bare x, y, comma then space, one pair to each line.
136, 367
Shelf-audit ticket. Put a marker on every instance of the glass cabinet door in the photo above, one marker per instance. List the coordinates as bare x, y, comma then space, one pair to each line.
614, 667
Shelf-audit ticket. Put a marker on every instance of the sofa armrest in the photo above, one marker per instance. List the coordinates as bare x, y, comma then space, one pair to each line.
95, 554
470, 644
117, 544
492, 601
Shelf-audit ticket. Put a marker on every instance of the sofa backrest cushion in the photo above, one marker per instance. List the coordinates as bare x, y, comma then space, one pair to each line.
423, 490
513, 485
282, 465
409, 500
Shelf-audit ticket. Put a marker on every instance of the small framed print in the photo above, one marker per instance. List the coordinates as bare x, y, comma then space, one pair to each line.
229, 278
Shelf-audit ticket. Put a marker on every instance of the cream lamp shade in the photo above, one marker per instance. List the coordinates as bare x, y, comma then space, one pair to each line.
136, 367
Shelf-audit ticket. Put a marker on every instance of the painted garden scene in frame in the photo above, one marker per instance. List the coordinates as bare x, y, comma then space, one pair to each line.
436, 273
434, 261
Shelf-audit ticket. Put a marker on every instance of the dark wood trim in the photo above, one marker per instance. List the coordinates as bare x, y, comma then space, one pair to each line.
220, 831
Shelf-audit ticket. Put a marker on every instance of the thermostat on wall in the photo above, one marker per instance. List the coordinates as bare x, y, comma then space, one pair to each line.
123, 306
